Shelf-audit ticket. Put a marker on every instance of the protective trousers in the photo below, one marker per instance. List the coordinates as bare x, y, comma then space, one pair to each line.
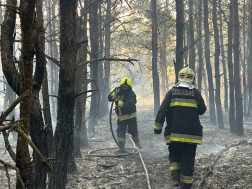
182, 156
131, 125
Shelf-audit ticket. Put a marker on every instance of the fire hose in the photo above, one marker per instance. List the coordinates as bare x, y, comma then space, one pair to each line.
132, 151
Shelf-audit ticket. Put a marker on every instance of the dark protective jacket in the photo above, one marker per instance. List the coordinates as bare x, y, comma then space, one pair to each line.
181, 107
126, 109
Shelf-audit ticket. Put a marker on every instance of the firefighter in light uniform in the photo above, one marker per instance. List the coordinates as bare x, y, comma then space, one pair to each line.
181, 107
125, 100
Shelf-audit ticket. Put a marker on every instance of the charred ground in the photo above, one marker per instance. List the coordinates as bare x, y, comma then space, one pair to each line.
232, 168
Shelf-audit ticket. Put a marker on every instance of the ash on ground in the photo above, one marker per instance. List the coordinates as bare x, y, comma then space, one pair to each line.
232, 170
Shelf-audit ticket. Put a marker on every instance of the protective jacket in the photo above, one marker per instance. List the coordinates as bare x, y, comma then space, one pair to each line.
181, 107
126, 106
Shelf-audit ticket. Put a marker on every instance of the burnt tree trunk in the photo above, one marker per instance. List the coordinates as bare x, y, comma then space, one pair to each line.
83, 129
200, 51
237, 80
217, 68
208, 66
179, 36
81, 84
27, 13
163, 65
250, 60
244, 62
192, 49
93, 23
231, 71
64, 133
107, 52
223, 60
154, 56
47, 115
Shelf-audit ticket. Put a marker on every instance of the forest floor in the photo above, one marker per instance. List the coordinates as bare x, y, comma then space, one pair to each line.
231, 169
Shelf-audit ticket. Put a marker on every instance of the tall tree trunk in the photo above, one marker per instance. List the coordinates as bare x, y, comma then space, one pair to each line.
107, 52
208, 66
83, 130
217, 68
154, 56
179, 36
64, 133
100, 81
238, 97
250, 60
47, 115
223, 60
200, 51
93, 24
163, 65
206, 86
27, 13
244, 61
231, 71
192, 49
81, 84
37, 123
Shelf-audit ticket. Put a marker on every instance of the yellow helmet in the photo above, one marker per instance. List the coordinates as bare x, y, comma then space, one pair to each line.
186, 75
125, 81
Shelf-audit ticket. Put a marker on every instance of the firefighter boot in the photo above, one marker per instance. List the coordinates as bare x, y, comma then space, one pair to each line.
137, 142
122, 145
185, 186
175, 174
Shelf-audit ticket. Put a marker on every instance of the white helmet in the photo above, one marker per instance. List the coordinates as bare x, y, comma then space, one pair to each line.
186, 75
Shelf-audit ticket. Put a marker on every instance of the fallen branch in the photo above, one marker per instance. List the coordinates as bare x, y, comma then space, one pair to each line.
210, 168
112, 59
17, 172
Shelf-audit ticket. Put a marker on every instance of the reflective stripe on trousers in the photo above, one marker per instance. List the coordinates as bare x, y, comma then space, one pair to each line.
183, 138
125, 117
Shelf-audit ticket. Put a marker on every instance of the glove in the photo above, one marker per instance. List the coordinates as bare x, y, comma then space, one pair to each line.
113, 95
116, 101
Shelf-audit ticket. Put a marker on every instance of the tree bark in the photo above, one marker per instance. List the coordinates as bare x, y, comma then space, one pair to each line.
223, 60
200, 51
179, 36
231, 71
208, 65
154, 56
93, 24
192, 49
64, 133
237, 80
244, 62
27, 13
217, 69
107, 52
81, 84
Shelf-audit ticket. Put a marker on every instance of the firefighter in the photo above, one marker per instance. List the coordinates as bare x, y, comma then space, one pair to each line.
125, 100
181, 108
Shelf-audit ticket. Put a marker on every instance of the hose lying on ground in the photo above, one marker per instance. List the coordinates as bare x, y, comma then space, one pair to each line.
134, 150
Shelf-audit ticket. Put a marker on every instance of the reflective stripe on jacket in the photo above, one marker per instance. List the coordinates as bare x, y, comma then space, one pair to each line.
181, 108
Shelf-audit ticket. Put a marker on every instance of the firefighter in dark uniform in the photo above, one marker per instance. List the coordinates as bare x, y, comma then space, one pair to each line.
181, 108
125, 100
